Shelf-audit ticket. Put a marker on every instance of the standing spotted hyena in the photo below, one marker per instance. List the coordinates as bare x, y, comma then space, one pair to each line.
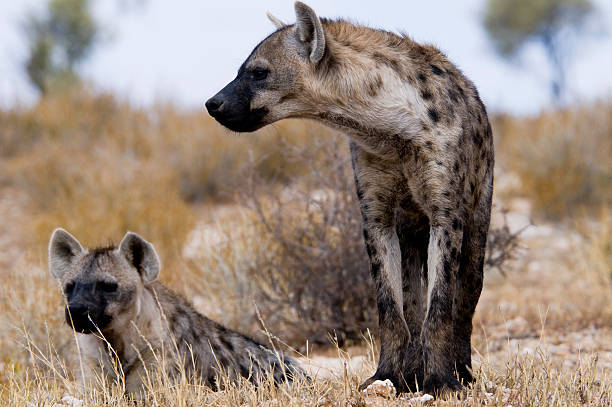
422, 154
111, 293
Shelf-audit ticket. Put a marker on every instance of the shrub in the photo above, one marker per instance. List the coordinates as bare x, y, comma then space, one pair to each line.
313, 280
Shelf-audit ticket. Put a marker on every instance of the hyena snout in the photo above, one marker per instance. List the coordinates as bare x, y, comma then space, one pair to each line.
231, 107
84, 319
86, 313
214, 105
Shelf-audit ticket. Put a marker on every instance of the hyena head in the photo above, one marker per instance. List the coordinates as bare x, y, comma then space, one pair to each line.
271, 84
103, 286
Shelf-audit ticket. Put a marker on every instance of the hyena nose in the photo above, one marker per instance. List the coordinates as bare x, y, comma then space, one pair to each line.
79, 311
214, 105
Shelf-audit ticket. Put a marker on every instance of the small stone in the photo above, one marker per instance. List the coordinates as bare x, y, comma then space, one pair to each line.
70, 401
380, 388
422, 399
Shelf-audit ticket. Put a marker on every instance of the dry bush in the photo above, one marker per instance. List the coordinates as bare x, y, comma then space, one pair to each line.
291, 254
502, 245
313, 279
562, 158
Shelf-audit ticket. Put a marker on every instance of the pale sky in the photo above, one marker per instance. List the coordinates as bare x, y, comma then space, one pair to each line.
186, 50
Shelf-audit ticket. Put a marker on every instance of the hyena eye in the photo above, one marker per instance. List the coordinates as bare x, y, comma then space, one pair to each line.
260, 74
69, 287
107, 287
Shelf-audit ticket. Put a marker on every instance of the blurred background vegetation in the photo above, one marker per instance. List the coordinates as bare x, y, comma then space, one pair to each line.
59, 40
268, 218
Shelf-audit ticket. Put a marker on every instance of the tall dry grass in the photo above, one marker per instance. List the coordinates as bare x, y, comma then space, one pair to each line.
527, 379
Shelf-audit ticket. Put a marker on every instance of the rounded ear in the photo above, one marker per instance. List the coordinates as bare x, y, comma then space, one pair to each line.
277, 23
63, 250
309, 31
140, 254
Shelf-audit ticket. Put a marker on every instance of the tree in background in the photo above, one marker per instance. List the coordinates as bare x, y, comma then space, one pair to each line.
512, 24
58, 41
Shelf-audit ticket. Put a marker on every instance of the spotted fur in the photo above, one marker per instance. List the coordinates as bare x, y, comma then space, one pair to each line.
112, 293
422, 152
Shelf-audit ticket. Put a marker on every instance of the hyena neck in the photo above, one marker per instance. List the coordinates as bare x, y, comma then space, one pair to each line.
128, 340
378, 135
377, 100
379, 123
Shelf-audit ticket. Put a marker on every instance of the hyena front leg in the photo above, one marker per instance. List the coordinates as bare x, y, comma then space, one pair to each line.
412, 228
94, 366
378, 198
438, 334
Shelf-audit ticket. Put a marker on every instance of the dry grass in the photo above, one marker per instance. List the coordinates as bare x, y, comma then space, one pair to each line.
244, 221
527, 379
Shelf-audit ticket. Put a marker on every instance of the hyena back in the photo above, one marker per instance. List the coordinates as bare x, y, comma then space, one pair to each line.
422, 153
111, 293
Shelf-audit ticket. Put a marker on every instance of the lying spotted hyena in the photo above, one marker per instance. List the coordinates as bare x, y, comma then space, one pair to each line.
422, 153
111, 293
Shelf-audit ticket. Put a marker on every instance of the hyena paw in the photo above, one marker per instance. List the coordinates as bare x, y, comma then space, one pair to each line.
465, 374
413, 381
438, 385
368, 382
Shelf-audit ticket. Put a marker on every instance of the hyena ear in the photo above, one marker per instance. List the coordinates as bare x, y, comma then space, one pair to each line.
277, 23
63, 250
309, 31
140, 254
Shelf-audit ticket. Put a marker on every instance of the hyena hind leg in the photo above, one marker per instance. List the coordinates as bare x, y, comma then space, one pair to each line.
412, 228
443, 256
468, 288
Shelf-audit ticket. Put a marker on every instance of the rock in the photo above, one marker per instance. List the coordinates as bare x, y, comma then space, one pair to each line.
380, 388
